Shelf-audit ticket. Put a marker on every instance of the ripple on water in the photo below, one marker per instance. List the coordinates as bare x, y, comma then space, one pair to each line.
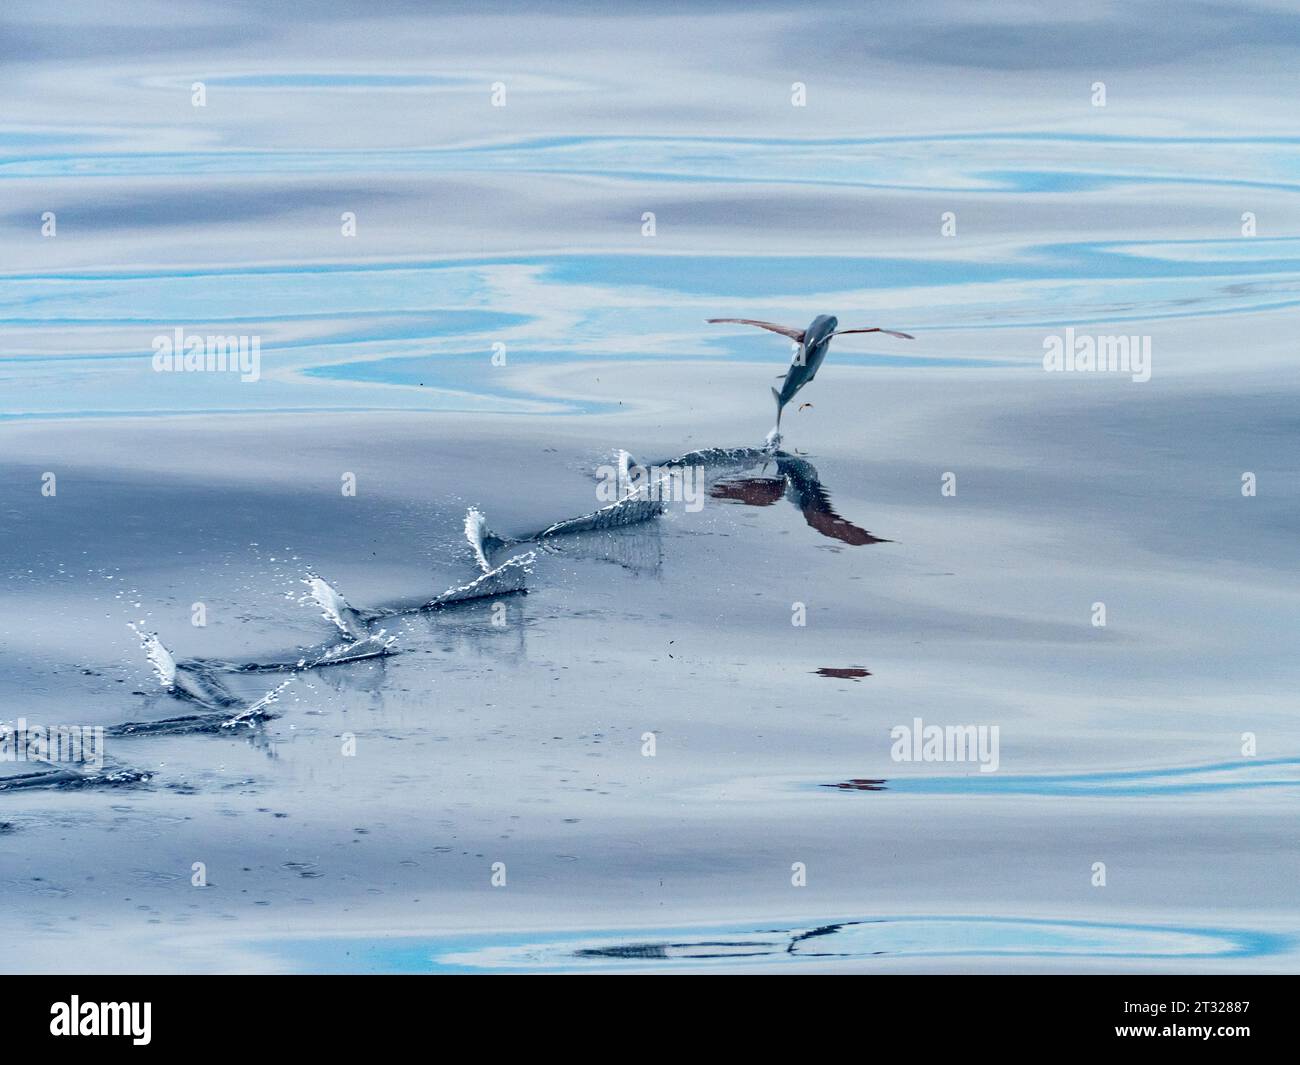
860, 940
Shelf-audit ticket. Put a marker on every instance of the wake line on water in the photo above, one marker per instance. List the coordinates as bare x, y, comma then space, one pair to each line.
200, 682
216, 709
1129, 783
54, 775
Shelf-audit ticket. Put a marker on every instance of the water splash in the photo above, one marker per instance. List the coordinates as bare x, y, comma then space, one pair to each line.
510, 578
335, 608
481, 540
630, 510
55, 775
160, 658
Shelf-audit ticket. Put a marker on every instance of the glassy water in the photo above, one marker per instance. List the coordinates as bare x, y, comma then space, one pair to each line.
473, 252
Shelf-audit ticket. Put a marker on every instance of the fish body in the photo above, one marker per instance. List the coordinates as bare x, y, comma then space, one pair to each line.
810, 352
807, 360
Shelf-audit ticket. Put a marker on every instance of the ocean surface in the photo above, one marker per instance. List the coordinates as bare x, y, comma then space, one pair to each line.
474, 251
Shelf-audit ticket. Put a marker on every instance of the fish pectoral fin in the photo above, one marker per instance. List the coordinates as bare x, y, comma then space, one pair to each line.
796, 335
874, 329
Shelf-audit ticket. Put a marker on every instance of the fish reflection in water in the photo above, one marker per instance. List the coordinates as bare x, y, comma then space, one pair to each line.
853, 673
752, 491
798, 482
